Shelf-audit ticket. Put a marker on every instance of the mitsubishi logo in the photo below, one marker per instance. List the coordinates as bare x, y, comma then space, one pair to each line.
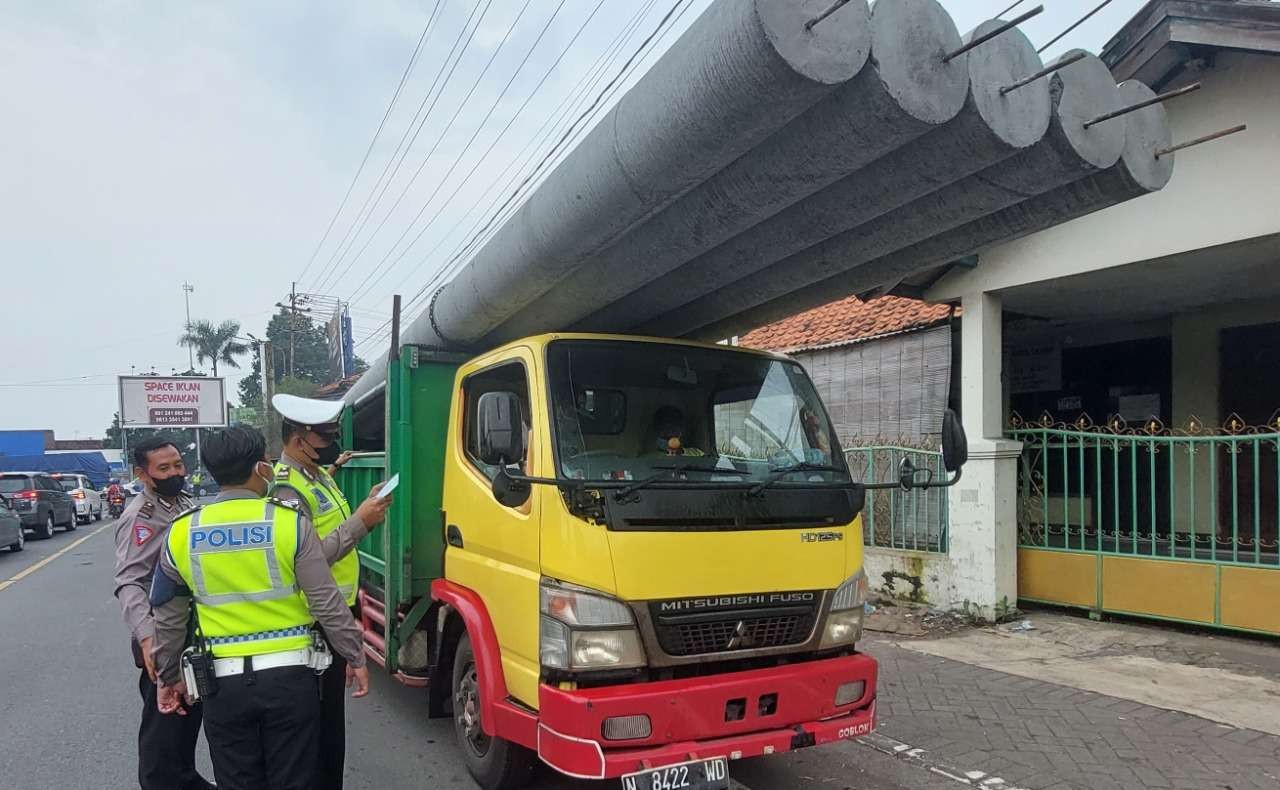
740, 638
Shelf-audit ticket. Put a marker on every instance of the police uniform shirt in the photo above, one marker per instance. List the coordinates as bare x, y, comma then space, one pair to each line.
315, 579
346, 536
140, 535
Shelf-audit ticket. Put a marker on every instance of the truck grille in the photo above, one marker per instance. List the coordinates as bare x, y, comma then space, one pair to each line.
733, 630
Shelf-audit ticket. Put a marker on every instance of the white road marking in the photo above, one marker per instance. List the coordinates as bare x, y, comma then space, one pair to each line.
30, 569
905, 751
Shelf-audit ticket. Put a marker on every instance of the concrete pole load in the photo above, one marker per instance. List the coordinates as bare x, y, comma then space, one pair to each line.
989, 128
1068, 152
905, 91
1138, 172
697, 109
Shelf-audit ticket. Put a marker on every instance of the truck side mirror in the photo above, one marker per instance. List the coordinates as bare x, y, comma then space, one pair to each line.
955, 445
508, 491
499, 429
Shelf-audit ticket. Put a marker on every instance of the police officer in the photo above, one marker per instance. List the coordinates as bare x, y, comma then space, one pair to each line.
260, 582
310, 454
166, 744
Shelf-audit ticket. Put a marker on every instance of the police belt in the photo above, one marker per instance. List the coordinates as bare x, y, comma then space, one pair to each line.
225, 667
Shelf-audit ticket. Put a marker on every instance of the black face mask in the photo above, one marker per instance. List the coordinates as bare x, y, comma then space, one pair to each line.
169, 486
328, 454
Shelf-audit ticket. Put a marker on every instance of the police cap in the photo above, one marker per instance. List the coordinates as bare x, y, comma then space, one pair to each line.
308, 412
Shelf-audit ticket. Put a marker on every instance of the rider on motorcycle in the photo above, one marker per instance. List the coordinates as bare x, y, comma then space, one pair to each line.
115, 498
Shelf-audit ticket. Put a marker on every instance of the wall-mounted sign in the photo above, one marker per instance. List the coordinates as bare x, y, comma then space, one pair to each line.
1139, 408
1035, 368
1070, 403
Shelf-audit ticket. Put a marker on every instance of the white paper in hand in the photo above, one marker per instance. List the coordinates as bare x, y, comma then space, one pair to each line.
389, 486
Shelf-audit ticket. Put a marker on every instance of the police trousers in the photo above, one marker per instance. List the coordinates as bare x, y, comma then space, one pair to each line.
166, 744
262, 729
333, 725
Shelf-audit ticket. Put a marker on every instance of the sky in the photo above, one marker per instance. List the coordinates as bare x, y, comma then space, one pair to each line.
147, 145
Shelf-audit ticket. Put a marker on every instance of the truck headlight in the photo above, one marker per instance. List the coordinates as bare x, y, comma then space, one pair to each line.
581, 629
844, 621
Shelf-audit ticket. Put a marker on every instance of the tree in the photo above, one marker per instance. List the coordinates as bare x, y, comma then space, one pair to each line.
310, 355
250, 387
215, 344
184, 438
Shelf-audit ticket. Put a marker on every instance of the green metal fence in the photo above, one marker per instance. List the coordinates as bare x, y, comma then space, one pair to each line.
915, 520
1149, 491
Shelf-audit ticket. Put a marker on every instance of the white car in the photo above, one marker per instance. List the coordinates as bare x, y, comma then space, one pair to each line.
88, 502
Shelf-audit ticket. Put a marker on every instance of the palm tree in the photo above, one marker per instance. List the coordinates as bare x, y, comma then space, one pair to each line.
215, 343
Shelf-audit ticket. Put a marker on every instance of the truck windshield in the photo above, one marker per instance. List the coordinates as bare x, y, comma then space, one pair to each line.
627, 410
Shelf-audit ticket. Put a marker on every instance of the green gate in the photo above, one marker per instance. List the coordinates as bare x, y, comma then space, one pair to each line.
1175, 524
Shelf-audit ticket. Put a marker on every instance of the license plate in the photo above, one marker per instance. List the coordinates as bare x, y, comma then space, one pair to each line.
710, 774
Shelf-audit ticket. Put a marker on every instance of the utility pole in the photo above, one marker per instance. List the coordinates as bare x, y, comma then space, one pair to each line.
267, 355
293, 321
187, 288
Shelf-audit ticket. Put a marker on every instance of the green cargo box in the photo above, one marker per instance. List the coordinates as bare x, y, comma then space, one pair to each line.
401, 557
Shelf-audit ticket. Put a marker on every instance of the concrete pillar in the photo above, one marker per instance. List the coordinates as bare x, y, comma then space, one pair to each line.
983, 505
1195, 377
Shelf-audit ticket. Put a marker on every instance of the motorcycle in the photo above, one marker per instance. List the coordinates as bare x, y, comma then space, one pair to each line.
115, 505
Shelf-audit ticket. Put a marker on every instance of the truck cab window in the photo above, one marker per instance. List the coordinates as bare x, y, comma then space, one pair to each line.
508, 377
625, 411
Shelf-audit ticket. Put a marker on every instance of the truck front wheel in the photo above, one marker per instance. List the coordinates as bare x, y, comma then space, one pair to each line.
494, 763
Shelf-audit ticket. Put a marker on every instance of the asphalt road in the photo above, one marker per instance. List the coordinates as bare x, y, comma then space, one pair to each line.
69, 704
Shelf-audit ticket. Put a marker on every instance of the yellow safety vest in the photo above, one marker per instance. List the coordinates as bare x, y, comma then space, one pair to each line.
328, 508
237, 558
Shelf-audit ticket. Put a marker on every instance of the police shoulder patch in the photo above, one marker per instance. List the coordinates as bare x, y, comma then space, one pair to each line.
291, 505
282, 473
148, 509
142, 533
187, 512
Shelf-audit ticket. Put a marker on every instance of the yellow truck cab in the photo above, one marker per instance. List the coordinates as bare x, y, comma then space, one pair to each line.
627, 557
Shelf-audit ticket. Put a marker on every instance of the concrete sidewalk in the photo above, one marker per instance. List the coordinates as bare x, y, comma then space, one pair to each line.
1075, 704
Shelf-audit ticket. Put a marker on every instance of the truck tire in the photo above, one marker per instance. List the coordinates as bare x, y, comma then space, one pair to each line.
494, 763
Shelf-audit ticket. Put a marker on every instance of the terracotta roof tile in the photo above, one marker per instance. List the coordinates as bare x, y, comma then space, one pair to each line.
845, 321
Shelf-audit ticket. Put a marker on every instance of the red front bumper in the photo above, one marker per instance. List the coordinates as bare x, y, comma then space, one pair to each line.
688, 717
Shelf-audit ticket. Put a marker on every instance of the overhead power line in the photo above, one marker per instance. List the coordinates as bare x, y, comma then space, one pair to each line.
549, 129
579, 124
440, 138
561, 145
383, 268
413, 59
406, 142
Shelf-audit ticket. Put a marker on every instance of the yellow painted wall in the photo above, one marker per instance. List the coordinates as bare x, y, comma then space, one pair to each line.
1251, 598
1179, 590
1058, 576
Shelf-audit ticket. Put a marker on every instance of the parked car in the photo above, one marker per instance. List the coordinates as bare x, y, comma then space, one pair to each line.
39, 501
89, 503
11, 532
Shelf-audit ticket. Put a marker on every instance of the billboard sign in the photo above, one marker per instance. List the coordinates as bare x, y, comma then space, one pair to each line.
333, 334
172, 402
342, 350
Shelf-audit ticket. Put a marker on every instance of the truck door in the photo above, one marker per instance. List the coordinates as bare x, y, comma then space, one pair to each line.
498, 555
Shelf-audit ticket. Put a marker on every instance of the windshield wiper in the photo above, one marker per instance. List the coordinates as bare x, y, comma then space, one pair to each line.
671, 471
667, 471
776, 475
